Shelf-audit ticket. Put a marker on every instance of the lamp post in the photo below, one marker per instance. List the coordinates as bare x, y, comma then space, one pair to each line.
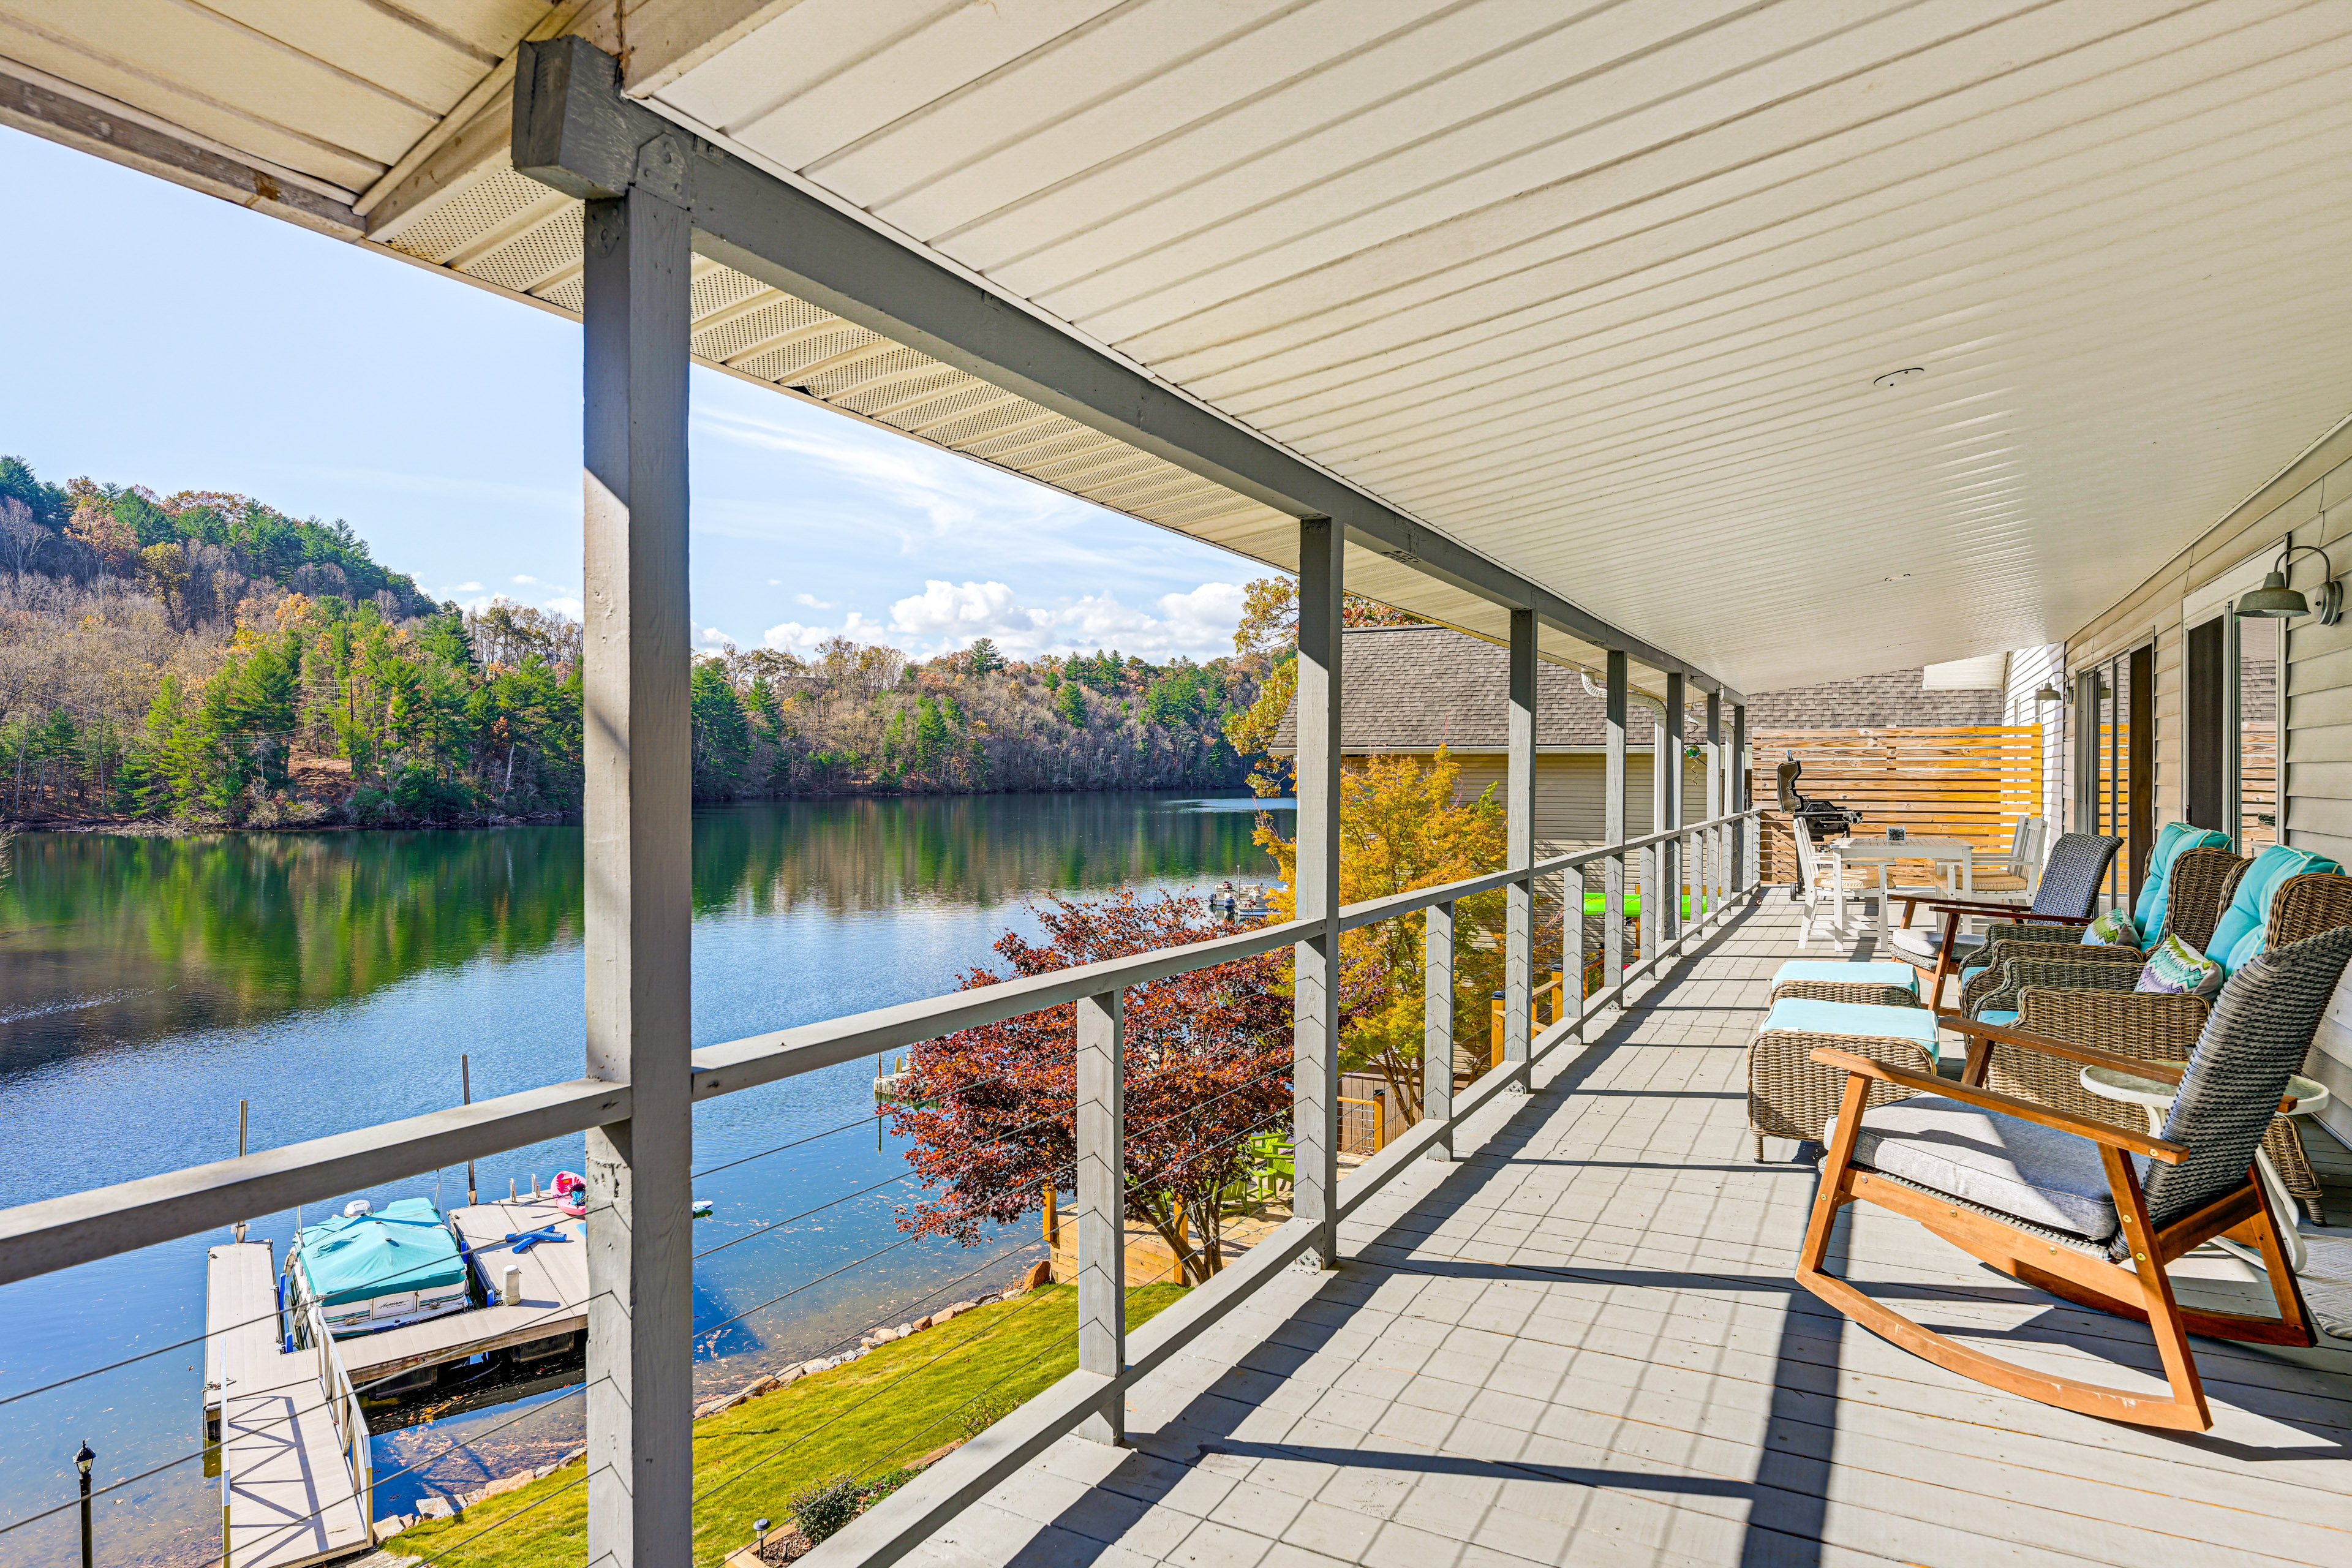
82, 1463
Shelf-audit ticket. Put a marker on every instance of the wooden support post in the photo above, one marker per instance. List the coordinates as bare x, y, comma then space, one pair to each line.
1102, 1204
1053, 1215
636, 827
1612, 831
1437, 1028
1719, 885
1519, 842
1672, 867
1741, 839
1315, 1020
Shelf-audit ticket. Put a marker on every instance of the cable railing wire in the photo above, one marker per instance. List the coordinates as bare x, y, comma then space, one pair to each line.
464, 1347
830, 1132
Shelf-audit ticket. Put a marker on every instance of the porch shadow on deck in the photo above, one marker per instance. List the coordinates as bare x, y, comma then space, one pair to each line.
1582, 1344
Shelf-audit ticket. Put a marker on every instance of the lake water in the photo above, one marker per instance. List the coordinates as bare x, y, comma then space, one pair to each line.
333, 979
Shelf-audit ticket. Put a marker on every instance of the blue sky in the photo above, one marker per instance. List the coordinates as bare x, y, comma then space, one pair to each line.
160, 337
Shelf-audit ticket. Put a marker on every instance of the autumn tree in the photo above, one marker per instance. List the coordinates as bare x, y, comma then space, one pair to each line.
990, 1110
1401, 828
1268, 633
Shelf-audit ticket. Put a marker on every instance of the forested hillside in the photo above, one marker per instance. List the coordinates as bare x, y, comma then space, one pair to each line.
202, 658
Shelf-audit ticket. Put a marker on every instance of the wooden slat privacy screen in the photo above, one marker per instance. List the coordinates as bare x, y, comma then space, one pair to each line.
1970, 783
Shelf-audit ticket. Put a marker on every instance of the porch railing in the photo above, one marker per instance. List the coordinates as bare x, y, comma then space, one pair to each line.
1714, 860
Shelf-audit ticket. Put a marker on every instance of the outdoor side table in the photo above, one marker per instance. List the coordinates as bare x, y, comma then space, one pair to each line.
2155, 1097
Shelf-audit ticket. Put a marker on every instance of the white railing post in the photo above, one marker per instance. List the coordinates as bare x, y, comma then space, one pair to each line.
637, 817
1437, 1027
1613, 830
1519, 836
1314, 1028
1102, 1204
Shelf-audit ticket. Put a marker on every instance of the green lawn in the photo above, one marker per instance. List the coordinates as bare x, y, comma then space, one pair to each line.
870, 1416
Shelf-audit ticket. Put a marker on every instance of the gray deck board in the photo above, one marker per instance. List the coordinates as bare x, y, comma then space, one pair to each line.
1579, 1344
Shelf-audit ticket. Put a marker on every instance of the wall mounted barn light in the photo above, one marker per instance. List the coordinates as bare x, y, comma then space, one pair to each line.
2275, 600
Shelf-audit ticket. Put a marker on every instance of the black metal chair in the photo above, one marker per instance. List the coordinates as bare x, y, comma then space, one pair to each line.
2089, 1210
2068, 896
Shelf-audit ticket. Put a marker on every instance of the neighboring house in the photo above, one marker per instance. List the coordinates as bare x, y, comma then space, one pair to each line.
1412, 689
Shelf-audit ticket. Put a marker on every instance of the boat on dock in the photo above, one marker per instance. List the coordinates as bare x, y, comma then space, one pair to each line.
374, 1321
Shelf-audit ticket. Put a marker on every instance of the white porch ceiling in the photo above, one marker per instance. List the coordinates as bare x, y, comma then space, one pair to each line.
1601, 290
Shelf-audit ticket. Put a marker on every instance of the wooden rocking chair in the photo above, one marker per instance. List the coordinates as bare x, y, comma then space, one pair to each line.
2087, 1211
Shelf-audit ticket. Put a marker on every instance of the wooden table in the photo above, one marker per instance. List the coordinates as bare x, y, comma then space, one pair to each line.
1956, 857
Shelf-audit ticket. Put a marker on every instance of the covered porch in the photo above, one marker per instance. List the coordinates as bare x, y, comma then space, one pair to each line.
1712, 353
1580, 1343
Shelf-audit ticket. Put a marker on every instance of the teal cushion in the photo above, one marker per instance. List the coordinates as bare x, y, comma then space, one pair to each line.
2156, 898
2248, 947
1849, 974
1968, 974
1997, 1016
1812, 1017
2251, 905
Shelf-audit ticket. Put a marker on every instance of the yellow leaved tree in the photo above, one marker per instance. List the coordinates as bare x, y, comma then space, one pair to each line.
1401, 828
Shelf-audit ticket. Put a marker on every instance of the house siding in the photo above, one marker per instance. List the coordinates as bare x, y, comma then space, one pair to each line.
2309, 503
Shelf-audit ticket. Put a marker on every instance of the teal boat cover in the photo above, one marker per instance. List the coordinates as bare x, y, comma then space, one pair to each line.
402, 1247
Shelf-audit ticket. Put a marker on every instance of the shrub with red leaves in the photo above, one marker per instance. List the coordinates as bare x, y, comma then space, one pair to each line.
1208, 1060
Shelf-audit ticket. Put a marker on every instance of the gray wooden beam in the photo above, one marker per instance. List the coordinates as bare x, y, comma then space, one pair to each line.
1102, 1206
1669, 756
103, 1222
124, 135
1519, 840
1613, 783
638, 826
1315, 1001
1437, 1027
575, 131
1741, 836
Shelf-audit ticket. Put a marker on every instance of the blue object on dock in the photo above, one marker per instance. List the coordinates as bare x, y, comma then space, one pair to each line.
702, 1209
524, 1241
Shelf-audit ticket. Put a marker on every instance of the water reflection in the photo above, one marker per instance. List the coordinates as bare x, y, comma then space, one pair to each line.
147, 986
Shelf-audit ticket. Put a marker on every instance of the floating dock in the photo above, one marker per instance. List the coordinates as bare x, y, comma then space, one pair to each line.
290, 1493
297, 1491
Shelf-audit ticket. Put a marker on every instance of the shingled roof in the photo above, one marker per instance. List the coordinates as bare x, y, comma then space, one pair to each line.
1413, 689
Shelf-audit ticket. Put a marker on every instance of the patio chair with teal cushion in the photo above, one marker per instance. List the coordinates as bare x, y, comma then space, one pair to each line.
2202, 881
2100, 1006
2067, 896
2153, 911
2086, 1210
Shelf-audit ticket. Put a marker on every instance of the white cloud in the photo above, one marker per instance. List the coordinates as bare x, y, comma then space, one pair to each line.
463, 588
527, 580
710, 639
564, 604
811, 600
946, 616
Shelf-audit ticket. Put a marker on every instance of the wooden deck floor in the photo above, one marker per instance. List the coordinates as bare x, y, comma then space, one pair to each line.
1580, 1344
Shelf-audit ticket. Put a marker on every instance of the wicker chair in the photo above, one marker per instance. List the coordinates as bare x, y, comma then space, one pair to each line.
2202, 882
2067, 896
2072, 1214
2096, 1006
